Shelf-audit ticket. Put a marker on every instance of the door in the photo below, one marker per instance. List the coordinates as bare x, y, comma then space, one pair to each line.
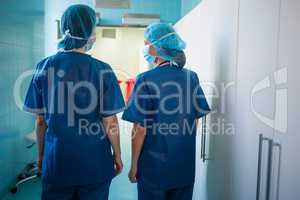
198, 52
210, 33
286, 164
222, 125
257, 36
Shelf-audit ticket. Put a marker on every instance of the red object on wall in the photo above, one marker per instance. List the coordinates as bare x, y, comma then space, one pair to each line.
129, 88
120, 82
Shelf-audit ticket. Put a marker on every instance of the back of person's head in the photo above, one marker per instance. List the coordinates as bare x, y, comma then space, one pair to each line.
77, 24
167, 42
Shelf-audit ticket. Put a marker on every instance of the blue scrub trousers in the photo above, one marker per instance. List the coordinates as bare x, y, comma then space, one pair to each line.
87, 192
184, 193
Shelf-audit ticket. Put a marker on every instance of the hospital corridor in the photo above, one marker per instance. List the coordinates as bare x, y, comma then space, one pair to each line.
150, 99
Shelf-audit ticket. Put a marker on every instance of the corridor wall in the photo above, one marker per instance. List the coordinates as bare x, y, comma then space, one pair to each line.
21, 48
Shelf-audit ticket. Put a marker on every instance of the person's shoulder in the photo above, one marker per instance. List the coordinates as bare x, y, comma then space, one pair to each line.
46, 60
101, 65
49, 60
148, 74
191, 73
144, 75
43, 61
42, 67
44, 64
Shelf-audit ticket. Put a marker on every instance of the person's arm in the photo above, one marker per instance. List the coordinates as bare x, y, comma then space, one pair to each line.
40, 135
138, 138
111, 125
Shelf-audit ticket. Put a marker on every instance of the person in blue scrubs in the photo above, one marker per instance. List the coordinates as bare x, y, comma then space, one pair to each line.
76, 98
165, 105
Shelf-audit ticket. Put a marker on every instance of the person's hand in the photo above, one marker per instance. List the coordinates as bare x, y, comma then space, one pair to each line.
118, 164
132, 174
39, 164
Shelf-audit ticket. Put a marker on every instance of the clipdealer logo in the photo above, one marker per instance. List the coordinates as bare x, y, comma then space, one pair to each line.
279, 121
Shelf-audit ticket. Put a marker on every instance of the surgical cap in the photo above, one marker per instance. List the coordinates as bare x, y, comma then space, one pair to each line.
77, 25
167, 42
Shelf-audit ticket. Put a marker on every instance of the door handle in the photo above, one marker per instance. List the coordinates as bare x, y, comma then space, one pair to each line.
263, 139
269, 172
279, 147
204, 155
203, 138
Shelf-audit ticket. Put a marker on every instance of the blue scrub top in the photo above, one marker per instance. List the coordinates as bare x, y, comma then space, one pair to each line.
74, 92
167, 100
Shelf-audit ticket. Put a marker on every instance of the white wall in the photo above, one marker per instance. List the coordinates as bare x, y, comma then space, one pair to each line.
123, 53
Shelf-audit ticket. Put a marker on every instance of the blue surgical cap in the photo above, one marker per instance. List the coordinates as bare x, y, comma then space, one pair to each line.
167, 42
77, 24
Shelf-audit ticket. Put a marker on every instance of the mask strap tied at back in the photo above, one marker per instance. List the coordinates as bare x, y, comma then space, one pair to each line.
67, 33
